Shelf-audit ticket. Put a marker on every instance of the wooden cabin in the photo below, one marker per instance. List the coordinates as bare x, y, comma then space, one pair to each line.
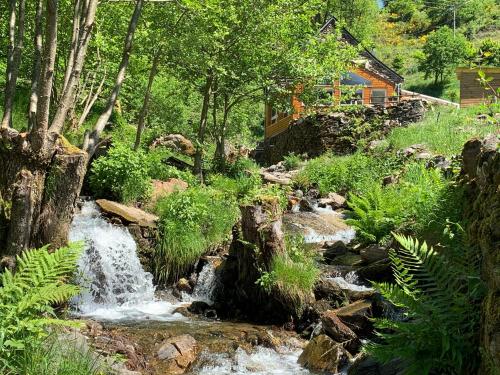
471, 90
374, 82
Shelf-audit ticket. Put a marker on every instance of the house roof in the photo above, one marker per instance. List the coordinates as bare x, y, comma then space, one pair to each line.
373, 63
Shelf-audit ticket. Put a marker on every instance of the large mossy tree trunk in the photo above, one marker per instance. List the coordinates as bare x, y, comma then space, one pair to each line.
255, 243
42, 188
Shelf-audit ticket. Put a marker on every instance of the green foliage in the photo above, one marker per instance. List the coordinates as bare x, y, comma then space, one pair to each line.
488, 53
442, 52
60, 355
27, 296
157, 168
414, 203
443, 131
292, 161
292, 274
191, 223
122, 174
353, 173
439, 295
239, 188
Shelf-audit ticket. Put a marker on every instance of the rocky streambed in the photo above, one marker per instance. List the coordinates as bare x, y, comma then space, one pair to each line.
180, 330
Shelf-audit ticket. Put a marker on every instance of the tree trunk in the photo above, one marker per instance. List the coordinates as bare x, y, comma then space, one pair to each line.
37, 64
90, 101
42, 189
38, 135
78, 53
13, 59
220, 148
91, 140
145, 105
198, 157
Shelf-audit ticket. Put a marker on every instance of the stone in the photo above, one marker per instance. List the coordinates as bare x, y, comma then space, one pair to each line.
333, 250
373, 253
198, 307
175, 142
334, 327
323, 354
127, 214
183, 285
356, 316
306, 205
378, 271
389, 180
179, 352
365, 365
338, 201
164, 188
348, 259
270, 178
329, 290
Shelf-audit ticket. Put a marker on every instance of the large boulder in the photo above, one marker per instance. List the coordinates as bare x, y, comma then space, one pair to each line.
324, 354
127, 214
175, 142
179, 353
374, 253
334, 327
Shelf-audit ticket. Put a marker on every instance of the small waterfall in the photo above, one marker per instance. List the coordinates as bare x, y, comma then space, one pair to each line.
350, 281
206, 284
262, 361
116, 287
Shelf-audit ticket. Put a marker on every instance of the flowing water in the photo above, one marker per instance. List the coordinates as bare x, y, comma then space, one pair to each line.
116, 286
119, 292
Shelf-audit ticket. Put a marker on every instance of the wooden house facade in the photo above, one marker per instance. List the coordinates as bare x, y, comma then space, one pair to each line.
374, 82
471, 90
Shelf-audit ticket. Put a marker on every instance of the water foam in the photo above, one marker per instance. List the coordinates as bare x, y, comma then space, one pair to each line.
116, 287
261, 361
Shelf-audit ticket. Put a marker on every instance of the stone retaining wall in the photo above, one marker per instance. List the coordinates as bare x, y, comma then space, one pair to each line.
339, 132
481, 170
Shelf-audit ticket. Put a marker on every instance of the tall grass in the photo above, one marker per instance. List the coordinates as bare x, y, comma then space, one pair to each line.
56, 356
443, 131
352, 173
191, 222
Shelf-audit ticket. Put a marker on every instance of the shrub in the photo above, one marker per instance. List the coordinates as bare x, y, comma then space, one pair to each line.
413, 204
26, 299
292, 275
191, 222
157, 169
440, 296
291, 161
353, 173
241, 167
238, 188
123, 174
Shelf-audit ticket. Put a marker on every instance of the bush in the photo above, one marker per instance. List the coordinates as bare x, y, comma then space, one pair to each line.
291, 161
238, 188
414, 204
158, 170
292, 275
26, 299
191, 222
353, 173
123, 175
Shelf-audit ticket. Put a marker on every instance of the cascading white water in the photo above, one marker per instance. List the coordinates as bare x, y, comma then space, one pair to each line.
350, 281
206, 284
262, 361
115, 285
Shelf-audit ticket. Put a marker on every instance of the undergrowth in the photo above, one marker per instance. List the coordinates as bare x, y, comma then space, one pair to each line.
191, 223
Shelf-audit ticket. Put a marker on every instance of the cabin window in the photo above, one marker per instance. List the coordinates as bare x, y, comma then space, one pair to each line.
352, 79
379, 96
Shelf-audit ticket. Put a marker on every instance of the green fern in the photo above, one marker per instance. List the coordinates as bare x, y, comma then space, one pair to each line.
438, 332
371, 216
27, 296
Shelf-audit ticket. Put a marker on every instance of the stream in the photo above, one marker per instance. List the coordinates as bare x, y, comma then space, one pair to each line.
121, 295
